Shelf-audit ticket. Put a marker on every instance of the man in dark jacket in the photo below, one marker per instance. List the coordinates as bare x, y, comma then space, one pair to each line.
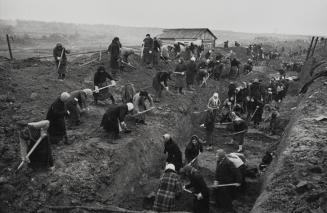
148, 50
235, 67
218, 68
174, 153
190, 73
100, 80
200, 189
193, 149
114, 49
59, 54
113, 120
226, 173
56, 115
159, 83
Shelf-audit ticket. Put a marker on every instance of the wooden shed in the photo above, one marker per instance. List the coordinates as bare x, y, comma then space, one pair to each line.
198, 36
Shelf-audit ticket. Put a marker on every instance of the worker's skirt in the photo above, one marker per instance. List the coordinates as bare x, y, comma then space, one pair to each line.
102, 94
239, 138
42, 155
75, 111
156, 57
147, 56
62, 68
179, 81
224, 196
142, 116
57, 130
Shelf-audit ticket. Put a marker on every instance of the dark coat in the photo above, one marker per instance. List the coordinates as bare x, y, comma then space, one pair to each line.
56, 115
42, 155
226, 173
191, 150
191, 72
113, 115
256, 91
114, 54
101, 77
174, 154
209, 122
160, 77
199, 186
180, 79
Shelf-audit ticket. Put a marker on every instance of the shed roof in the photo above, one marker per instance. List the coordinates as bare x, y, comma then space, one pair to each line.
182, 33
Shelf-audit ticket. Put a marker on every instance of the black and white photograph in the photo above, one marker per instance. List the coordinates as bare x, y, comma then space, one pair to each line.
148, 106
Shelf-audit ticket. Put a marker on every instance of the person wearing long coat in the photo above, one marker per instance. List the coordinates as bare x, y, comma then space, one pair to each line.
114, 49
148, 50
173, 151
28, 136
180, 79
100, 80
156, 51
191, 73
159, 83
139, 105
226, 173
56, 115
193, 149
59, 54
77, 104
170, 189
199, 189
113, 120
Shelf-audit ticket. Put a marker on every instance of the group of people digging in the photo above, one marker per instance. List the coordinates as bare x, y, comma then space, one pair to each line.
36, 137
229, 178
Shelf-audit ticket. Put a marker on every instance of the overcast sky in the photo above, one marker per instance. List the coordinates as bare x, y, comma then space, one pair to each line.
308, 17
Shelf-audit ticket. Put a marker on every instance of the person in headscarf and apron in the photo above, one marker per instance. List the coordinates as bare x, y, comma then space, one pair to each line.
100, 80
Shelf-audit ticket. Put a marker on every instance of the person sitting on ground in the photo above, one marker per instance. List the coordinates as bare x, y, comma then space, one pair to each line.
100, 80
226, 173
59, 54
170, 189
240, 127
200, 189
76, 105
113, 121
190, 73
29, 134
56, 116
159, 83
139, 105
180, 71
173, 151
193, 150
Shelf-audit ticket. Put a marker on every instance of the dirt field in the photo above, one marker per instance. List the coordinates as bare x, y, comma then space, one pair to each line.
92, 171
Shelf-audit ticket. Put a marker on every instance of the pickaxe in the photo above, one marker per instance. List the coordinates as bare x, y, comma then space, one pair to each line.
205, 80
144, 111
62, 53
127, 64
112, 85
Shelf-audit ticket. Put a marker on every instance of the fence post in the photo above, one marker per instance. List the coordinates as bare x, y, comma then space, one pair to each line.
9, 47
314, 47
309, 50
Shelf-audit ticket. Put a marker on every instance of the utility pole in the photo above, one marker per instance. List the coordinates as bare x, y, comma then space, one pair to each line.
9, 47
314, 47
309, 50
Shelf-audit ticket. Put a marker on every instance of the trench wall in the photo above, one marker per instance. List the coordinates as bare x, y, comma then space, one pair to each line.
297, 179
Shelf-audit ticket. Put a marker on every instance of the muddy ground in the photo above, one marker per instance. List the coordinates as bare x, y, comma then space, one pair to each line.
92, 171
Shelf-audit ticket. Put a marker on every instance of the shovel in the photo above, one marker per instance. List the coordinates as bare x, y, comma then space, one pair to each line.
31, 151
